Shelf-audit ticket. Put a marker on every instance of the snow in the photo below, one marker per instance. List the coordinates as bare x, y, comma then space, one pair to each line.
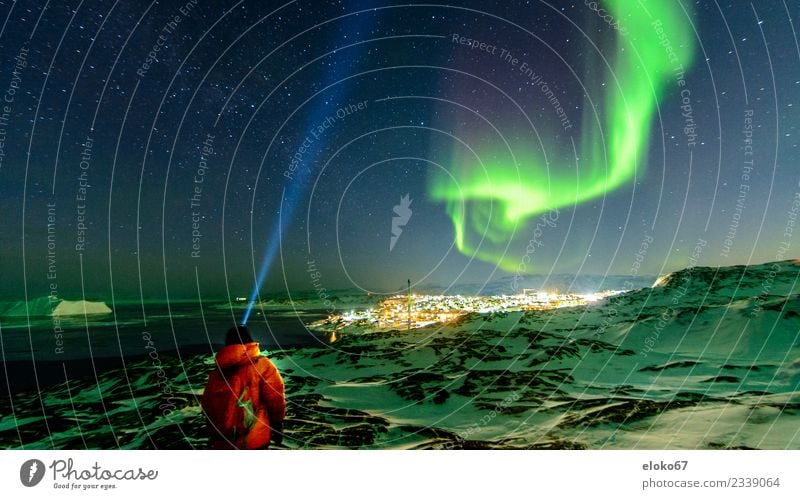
723, 371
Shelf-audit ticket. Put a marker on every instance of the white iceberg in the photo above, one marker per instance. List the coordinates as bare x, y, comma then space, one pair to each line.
45, 307
80, 307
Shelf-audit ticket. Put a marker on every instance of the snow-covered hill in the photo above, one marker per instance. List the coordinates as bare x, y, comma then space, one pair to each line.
706, 358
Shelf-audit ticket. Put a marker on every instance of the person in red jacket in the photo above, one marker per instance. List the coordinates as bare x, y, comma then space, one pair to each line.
244, 398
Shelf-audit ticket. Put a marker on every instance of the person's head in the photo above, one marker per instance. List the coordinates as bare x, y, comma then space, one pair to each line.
238, 335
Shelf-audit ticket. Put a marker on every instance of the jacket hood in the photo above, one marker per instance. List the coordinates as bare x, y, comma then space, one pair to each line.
234, 355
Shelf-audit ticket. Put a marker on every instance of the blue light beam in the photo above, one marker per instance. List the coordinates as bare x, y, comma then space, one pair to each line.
296, 189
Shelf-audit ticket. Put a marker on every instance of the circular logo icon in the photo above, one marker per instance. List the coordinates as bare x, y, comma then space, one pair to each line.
31, 472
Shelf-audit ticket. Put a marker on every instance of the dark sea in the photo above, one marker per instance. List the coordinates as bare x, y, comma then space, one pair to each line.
36, 357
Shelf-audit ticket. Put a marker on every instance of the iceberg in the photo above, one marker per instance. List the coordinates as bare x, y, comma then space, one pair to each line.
80, 307
46, 307
38, 307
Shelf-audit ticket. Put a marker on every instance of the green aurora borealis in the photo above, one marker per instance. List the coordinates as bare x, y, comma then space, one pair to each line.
491, 199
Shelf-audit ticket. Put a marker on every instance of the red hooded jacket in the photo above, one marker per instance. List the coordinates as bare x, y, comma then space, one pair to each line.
243, 399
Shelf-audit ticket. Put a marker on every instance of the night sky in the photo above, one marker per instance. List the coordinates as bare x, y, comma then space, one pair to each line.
293, 130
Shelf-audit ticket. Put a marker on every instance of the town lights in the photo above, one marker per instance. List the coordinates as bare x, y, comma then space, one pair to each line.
399, 312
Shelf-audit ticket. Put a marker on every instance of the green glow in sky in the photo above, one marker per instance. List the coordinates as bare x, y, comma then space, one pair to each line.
492, 200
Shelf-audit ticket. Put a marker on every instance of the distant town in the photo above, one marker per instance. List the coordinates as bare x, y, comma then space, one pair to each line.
411, 311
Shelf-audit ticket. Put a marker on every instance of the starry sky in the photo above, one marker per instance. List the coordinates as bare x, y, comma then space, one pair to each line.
167, 149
